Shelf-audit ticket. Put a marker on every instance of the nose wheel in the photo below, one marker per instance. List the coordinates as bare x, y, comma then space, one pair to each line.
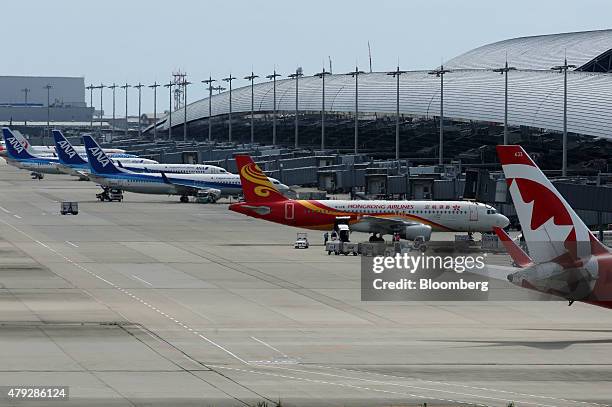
184, 199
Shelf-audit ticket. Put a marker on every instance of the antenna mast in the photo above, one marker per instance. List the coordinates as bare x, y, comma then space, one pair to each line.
178, 81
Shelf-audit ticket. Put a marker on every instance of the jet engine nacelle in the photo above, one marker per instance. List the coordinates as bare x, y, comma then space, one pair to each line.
211, 193
412, 232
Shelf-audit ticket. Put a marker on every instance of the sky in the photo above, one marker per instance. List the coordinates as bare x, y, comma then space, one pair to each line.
145, 41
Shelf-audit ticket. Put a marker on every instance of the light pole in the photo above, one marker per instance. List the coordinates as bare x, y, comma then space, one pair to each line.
90, 88
229, 79
154, 87
113, 87
504, 70
169, 86
48, 87
251, 78
296, 76
126, 86
26, 91
563, 68
273, 77
322, 75
139, 87
219, 89
356, 74
440, 74
101, 87
396, 74
209, 82
185, 83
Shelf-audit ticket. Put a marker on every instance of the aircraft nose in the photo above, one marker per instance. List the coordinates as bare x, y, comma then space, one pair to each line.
502, 221
282, 187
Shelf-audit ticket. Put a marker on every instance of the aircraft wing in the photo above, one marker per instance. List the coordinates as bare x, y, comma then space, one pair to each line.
387, 225
186, 187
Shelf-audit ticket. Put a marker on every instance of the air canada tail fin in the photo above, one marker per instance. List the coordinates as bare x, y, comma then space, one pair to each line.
97, 158
518, 255
65, 152
552, 229
14, 148
256, 186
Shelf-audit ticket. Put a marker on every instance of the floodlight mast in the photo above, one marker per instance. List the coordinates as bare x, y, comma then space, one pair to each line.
356, 74
90, 88
113, 87
169, 85
322, 75
296, 76
396, 74
440, 74
154, 87
209, 82
563, 68
185, 83
251, 78
273, 77
125, 87
101, 87
48, 87
504, 71
229, 80
139, 87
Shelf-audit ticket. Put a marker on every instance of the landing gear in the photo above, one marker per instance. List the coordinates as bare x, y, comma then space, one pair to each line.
184, 199
37, 175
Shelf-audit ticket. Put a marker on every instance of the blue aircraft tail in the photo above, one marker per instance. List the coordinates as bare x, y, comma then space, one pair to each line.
97, 158
14, 148
65, 152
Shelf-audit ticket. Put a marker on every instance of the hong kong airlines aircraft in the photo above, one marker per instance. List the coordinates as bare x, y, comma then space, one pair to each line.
411, 219
565, 259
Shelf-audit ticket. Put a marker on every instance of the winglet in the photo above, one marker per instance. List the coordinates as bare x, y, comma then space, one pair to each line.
14, 148
165, 178
97, 158
65, 152
255, 184
518, 255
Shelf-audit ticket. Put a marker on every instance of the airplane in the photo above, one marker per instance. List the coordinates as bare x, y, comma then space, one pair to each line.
104, 172
75, 165
411, 219
70, 162
49, 151
19, 156
174, 168
565, 259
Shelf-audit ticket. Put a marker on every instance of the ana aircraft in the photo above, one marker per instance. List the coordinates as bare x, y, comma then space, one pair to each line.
105, 173
19, 156
49, 151
411, 219
565, 259
70, 162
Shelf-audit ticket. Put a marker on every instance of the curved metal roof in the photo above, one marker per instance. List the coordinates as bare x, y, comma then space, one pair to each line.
535, 98
537, 52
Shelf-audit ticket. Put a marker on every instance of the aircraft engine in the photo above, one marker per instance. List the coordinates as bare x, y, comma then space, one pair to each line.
414, 231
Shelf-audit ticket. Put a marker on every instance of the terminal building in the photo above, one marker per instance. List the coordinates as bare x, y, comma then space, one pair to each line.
473, 105
35, 99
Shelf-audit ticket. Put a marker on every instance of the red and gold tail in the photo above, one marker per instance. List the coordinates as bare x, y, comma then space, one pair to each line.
256, 186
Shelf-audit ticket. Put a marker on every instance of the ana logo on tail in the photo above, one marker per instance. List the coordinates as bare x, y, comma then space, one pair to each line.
16, 144
253, 174
67, 148
99, 155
